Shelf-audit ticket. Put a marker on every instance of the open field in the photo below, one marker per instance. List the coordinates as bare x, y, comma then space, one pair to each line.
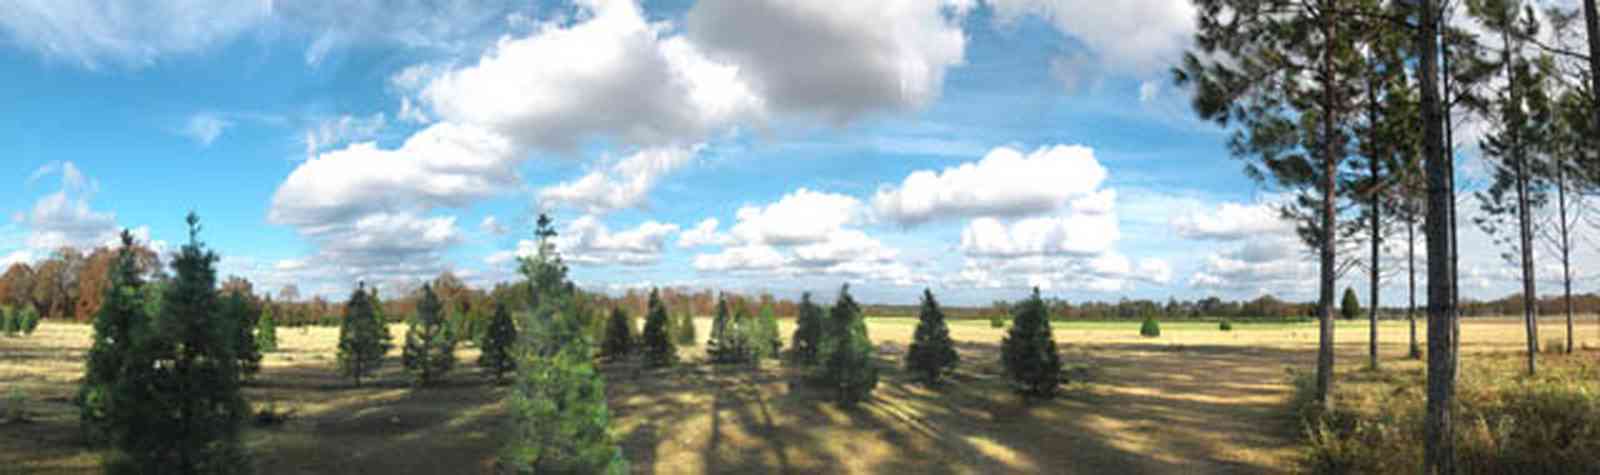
1195, 400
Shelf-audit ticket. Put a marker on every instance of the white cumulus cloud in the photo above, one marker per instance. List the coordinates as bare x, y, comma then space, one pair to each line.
1006, 182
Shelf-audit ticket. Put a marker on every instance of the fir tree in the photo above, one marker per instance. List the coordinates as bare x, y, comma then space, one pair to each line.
10, 323
847, 352
619, 335
658, 347
362, 339
684, 331
178, 405
807, 332
1350, 306
430, 352
721, 346
765, 336
267, 330
558, 414
123, 315
1028, 351
236, 308
497, 344
932, 353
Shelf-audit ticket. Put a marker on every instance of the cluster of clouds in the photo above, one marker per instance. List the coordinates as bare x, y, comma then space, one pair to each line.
66, 218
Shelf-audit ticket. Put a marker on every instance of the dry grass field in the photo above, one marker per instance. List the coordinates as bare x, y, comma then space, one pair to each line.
1195, 400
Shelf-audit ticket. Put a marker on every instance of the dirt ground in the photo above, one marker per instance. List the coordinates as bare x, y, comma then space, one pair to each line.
1195, 400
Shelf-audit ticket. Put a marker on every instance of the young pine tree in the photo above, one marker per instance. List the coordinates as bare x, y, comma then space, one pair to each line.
658, 348
932, 352
10, 324
684, 332
178, 405
1350, 306
497, 344
557, 408
362, 338
236, 308
29, 318
807, 333
123, 315
619, 335
847, 352
721, 346
430, 352
765, 336
1028, 351
267, 330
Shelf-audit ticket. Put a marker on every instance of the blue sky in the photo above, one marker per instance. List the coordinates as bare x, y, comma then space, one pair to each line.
975, 147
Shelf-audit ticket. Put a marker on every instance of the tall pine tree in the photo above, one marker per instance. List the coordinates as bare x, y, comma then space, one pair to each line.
267, 329
178, 405
123, 316
658, 347
1028, 351
362, 338
430, 351
932, 353
497, 345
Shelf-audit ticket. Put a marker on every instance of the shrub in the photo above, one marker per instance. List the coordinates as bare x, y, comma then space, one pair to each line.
185, 412
430, 350
847, 352
997, 321
29, 319
1028, 351
807, 333
9, 323
497, 344
658, 348
1150, 327
267, 330
932, 352
363, 338
16, 406
1224, 326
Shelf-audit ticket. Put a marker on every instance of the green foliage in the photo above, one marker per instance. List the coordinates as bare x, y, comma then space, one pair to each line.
29, 318
997, 321
237, 308
1350, 306
619, 335
764, 338
932, 352
658, 347
847, 353
1150, 328
267, 330
1028, 351
430, 350
10, 324
1225, 326
16, 406
559, 419
807, 333
1508, 425
730, 337
498, 339
363, 337
178, 408
684, 332
124, 314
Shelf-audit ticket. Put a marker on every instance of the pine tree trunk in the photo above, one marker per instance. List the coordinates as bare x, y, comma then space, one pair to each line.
1566, 248
1514, 120
1375, 233
1411, 280
1329, 168
1592, 25
1439, 440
